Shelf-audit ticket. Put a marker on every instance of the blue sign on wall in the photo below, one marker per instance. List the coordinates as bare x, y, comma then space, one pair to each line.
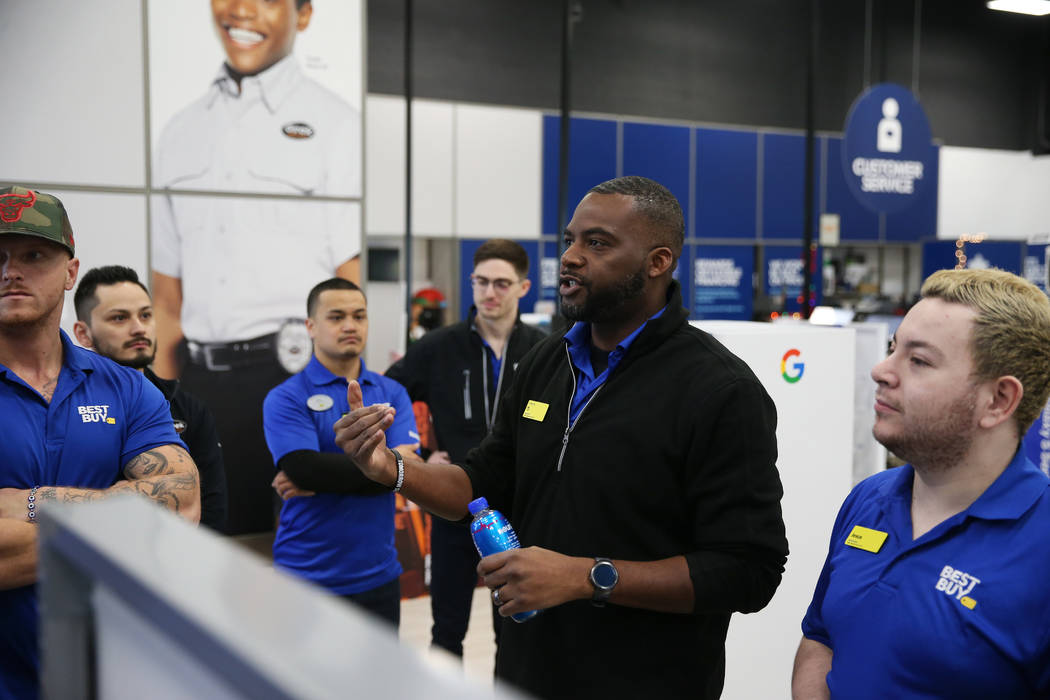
722, 282
1035, 267
1036, 442
887, 156
784, 276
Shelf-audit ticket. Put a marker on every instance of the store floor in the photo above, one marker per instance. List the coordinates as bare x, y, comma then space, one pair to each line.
479, 648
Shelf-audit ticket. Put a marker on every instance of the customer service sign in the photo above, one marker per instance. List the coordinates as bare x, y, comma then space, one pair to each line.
887, 149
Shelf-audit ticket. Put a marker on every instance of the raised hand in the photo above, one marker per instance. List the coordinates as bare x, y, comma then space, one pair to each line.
360, 432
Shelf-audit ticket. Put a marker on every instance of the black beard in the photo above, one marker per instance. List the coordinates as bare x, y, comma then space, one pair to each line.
139, 361
606, 304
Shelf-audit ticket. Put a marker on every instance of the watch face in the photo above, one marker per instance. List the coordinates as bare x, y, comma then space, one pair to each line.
604, 575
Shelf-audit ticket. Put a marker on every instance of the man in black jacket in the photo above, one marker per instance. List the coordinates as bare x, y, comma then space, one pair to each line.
636, 458
461, 372
115, 319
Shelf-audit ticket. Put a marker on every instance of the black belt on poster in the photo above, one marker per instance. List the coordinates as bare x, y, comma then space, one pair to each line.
222, 357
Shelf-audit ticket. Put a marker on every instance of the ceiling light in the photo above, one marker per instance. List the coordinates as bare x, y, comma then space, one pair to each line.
1025, 7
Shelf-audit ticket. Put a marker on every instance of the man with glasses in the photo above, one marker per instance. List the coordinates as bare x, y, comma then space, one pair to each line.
460, 372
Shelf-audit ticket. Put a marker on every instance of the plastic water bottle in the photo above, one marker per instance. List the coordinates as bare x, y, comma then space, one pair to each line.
492, 533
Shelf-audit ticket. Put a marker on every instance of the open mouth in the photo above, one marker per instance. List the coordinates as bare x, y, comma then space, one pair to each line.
568, 285
246, 38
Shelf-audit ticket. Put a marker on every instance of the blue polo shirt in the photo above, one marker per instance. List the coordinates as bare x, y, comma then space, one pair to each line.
100, 416
961, 612
344, 543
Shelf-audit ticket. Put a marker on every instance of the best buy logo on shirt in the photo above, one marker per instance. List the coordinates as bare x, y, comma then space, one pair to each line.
95, 414
959, 585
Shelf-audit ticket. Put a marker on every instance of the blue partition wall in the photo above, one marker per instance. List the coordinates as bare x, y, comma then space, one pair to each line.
736, 187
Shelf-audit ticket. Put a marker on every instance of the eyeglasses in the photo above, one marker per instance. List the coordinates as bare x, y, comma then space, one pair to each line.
500, 285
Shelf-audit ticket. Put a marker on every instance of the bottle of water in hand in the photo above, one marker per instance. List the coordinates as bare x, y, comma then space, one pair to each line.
492, 533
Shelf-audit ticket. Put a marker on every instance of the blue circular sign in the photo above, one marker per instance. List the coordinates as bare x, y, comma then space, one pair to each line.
887, 154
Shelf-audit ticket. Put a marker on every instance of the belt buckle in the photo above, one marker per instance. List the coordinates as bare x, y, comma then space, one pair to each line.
209, 362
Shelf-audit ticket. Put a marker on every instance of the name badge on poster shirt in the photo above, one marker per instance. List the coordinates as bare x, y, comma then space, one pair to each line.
865, 538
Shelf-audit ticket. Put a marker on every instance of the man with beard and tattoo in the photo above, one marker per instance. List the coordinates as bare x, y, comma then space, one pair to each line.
76, 427
635, 457
115, 319
936, 580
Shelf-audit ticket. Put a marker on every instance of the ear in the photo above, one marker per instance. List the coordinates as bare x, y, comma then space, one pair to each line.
526, 285
661, 261
83, 335
72, 268
1006, 393
310, 326
305, 12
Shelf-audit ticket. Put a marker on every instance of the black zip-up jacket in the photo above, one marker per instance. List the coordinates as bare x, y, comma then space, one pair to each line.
448, 368
195, 425
674, 455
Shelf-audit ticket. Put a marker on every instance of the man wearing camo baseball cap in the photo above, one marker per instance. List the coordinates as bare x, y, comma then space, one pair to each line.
38, 214
71, 417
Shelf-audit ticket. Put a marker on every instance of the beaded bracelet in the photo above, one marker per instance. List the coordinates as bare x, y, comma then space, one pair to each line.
31, 516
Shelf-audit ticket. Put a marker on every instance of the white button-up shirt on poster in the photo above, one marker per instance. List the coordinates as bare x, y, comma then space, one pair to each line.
247, 263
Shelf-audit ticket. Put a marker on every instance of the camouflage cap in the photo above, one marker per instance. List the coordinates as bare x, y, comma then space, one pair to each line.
33, 213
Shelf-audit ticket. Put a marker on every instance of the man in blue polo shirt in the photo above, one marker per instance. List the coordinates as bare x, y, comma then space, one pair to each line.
936, 581
336, 527
76, 426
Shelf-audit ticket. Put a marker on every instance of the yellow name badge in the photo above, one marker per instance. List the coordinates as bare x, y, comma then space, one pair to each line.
535, 410
865, 538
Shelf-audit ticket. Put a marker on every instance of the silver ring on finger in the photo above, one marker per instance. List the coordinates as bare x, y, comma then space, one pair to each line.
495, 597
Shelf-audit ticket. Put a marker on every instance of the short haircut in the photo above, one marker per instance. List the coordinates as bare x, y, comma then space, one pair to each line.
503, 249
299, 3
657, 206
327, 285
85, 298
1011, 333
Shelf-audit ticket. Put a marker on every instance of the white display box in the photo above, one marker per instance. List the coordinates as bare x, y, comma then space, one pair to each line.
815, 441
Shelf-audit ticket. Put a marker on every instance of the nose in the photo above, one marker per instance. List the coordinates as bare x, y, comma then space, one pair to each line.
9, 270
242, 9
572, 257
882, 372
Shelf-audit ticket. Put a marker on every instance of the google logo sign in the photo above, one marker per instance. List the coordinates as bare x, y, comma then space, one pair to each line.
793, 373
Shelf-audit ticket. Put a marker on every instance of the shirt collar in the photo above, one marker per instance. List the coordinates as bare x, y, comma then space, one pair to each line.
273, 84
319, 375
71, 356
1011, 495
1013, 492
578, 338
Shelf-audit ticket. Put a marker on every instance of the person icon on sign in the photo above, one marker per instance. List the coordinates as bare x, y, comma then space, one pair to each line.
889, 131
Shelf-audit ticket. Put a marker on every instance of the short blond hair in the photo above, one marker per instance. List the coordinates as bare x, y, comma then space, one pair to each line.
1011, 333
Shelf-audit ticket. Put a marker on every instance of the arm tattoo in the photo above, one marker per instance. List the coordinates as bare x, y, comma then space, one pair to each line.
151, 474
149, 463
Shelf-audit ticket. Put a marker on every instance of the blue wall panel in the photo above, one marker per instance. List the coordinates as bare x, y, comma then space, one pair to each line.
856, 222
592, 160
467, 248
784, 186
726, 183
660, 153
919, 221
